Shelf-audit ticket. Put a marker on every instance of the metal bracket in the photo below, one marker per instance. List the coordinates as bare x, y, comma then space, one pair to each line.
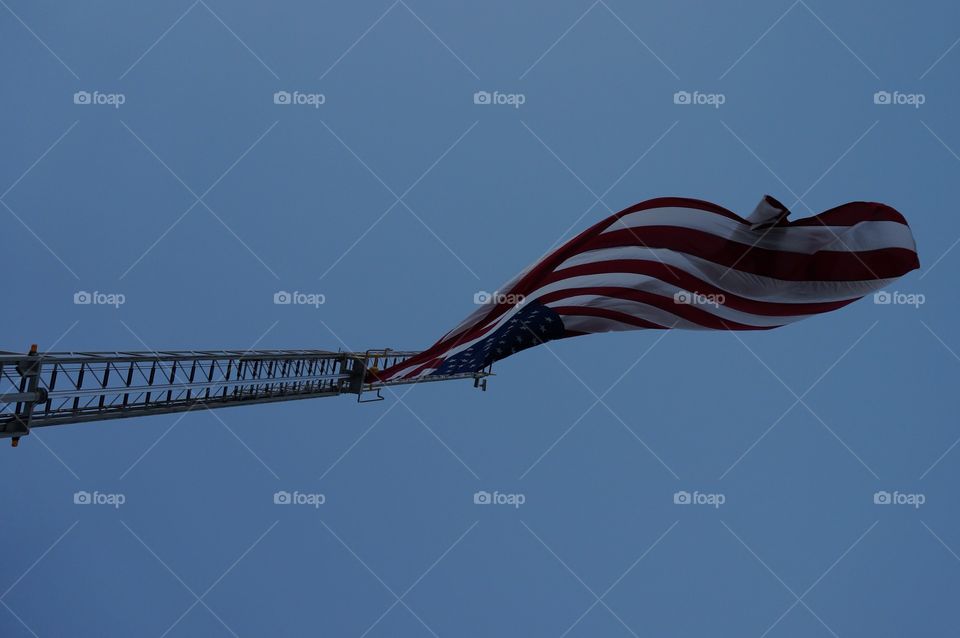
370, 362
30, 395
357, 372
379, 397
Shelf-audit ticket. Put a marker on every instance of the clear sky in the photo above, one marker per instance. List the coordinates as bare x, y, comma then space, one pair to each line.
178, 182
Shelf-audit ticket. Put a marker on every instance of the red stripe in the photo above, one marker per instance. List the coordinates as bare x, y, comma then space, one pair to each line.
851, 214
686, 281
848, 214
825, 265
676, 202
622, 317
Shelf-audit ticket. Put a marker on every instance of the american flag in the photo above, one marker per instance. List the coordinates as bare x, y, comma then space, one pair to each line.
681, 263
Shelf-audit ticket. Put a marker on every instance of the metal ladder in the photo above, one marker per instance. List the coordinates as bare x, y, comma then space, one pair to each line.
56, 388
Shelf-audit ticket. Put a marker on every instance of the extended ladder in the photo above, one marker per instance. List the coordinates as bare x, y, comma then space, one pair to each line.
56, 388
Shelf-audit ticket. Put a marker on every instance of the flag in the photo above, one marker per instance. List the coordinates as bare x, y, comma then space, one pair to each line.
680, 263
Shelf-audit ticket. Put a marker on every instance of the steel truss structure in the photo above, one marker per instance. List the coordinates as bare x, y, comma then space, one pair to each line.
40, 389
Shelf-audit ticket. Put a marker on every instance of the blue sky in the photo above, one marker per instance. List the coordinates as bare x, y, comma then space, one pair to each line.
178, 182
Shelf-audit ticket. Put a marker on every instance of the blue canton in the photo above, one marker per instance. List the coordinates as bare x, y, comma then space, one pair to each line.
532, 325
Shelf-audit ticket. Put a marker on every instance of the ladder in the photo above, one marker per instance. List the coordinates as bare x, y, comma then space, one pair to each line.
41, 389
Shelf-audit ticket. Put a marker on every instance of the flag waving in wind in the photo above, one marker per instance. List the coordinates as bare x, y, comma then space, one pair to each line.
681, 263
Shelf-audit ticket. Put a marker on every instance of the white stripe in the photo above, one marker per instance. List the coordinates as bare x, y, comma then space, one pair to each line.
666, 317
866, 235
632, 308
742, 284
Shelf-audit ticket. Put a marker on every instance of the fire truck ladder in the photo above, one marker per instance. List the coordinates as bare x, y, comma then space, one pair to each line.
56, 388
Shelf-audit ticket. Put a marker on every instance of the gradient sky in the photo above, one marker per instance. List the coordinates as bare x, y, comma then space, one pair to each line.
398, 198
